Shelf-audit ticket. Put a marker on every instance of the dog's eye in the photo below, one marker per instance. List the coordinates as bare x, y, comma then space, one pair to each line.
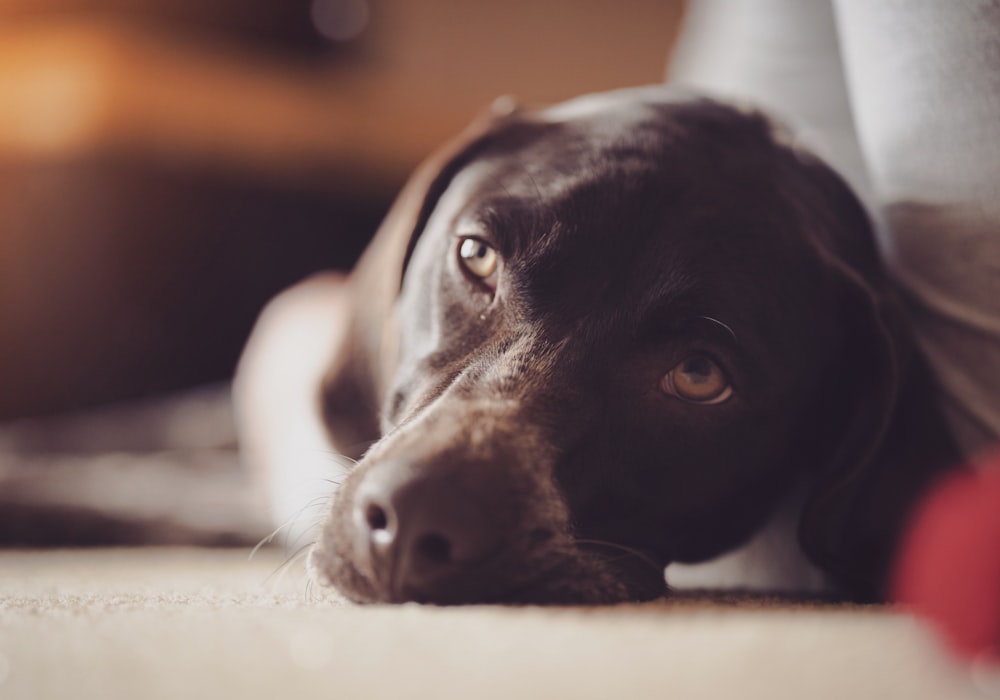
478, 258
697, 379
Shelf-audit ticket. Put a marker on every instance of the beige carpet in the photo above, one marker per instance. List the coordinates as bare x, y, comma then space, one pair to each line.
188, 623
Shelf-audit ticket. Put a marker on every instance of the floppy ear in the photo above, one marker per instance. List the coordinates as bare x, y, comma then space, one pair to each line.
357, 380
892, 439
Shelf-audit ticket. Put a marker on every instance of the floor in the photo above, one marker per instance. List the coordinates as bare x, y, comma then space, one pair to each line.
211, 623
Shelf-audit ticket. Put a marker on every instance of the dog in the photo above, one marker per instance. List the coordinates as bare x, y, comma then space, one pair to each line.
588, 342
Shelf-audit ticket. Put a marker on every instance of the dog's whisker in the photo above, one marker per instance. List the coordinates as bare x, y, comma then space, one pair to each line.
278, 575
306, 532
626, 550
305, 529
265, 540
317, 502
307, 589
269, 538
723, 325
310, 508
360, 447
341, 460
320, 500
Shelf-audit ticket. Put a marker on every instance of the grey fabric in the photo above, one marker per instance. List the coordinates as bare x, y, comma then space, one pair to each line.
903, 97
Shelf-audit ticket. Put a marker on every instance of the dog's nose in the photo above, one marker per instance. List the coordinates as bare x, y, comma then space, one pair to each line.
423, 534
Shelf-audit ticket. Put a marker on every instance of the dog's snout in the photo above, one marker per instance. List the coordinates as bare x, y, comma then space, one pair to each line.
423, 534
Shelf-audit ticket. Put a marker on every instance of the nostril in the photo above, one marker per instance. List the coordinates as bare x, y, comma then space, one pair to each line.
434, 548
421, 536
376, 517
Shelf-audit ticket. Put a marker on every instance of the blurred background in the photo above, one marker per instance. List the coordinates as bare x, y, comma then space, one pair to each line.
168, 165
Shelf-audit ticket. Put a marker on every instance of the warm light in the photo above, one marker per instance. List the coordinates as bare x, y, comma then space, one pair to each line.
50, 104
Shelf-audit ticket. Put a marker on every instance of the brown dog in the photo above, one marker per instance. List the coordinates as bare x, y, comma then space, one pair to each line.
597, 339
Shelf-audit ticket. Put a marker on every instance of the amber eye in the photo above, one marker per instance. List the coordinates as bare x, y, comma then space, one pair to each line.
697, 379
478, 258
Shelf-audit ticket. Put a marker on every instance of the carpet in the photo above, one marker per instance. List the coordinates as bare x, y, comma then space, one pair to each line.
160, 622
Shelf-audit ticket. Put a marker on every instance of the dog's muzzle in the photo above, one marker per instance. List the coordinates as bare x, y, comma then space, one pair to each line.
422, 532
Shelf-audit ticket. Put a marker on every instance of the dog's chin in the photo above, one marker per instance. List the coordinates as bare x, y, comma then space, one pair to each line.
552, 579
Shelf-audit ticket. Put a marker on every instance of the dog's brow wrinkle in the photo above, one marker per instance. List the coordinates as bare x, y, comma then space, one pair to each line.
499, 225
510, 221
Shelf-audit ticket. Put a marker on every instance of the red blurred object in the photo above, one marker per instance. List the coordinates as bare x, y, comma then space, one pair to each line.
948, 569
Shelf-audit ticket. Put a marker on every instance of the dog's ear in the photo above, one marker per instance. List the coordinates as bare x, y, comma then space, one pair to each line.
888, 438
357, 379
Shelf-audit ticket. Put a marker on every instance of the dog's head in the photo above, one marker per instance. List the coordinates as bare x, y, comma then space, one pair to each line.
627, 327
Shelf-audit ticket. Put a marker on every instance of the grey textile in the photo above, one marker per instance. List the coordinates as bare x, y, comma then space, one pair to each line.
903, 98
